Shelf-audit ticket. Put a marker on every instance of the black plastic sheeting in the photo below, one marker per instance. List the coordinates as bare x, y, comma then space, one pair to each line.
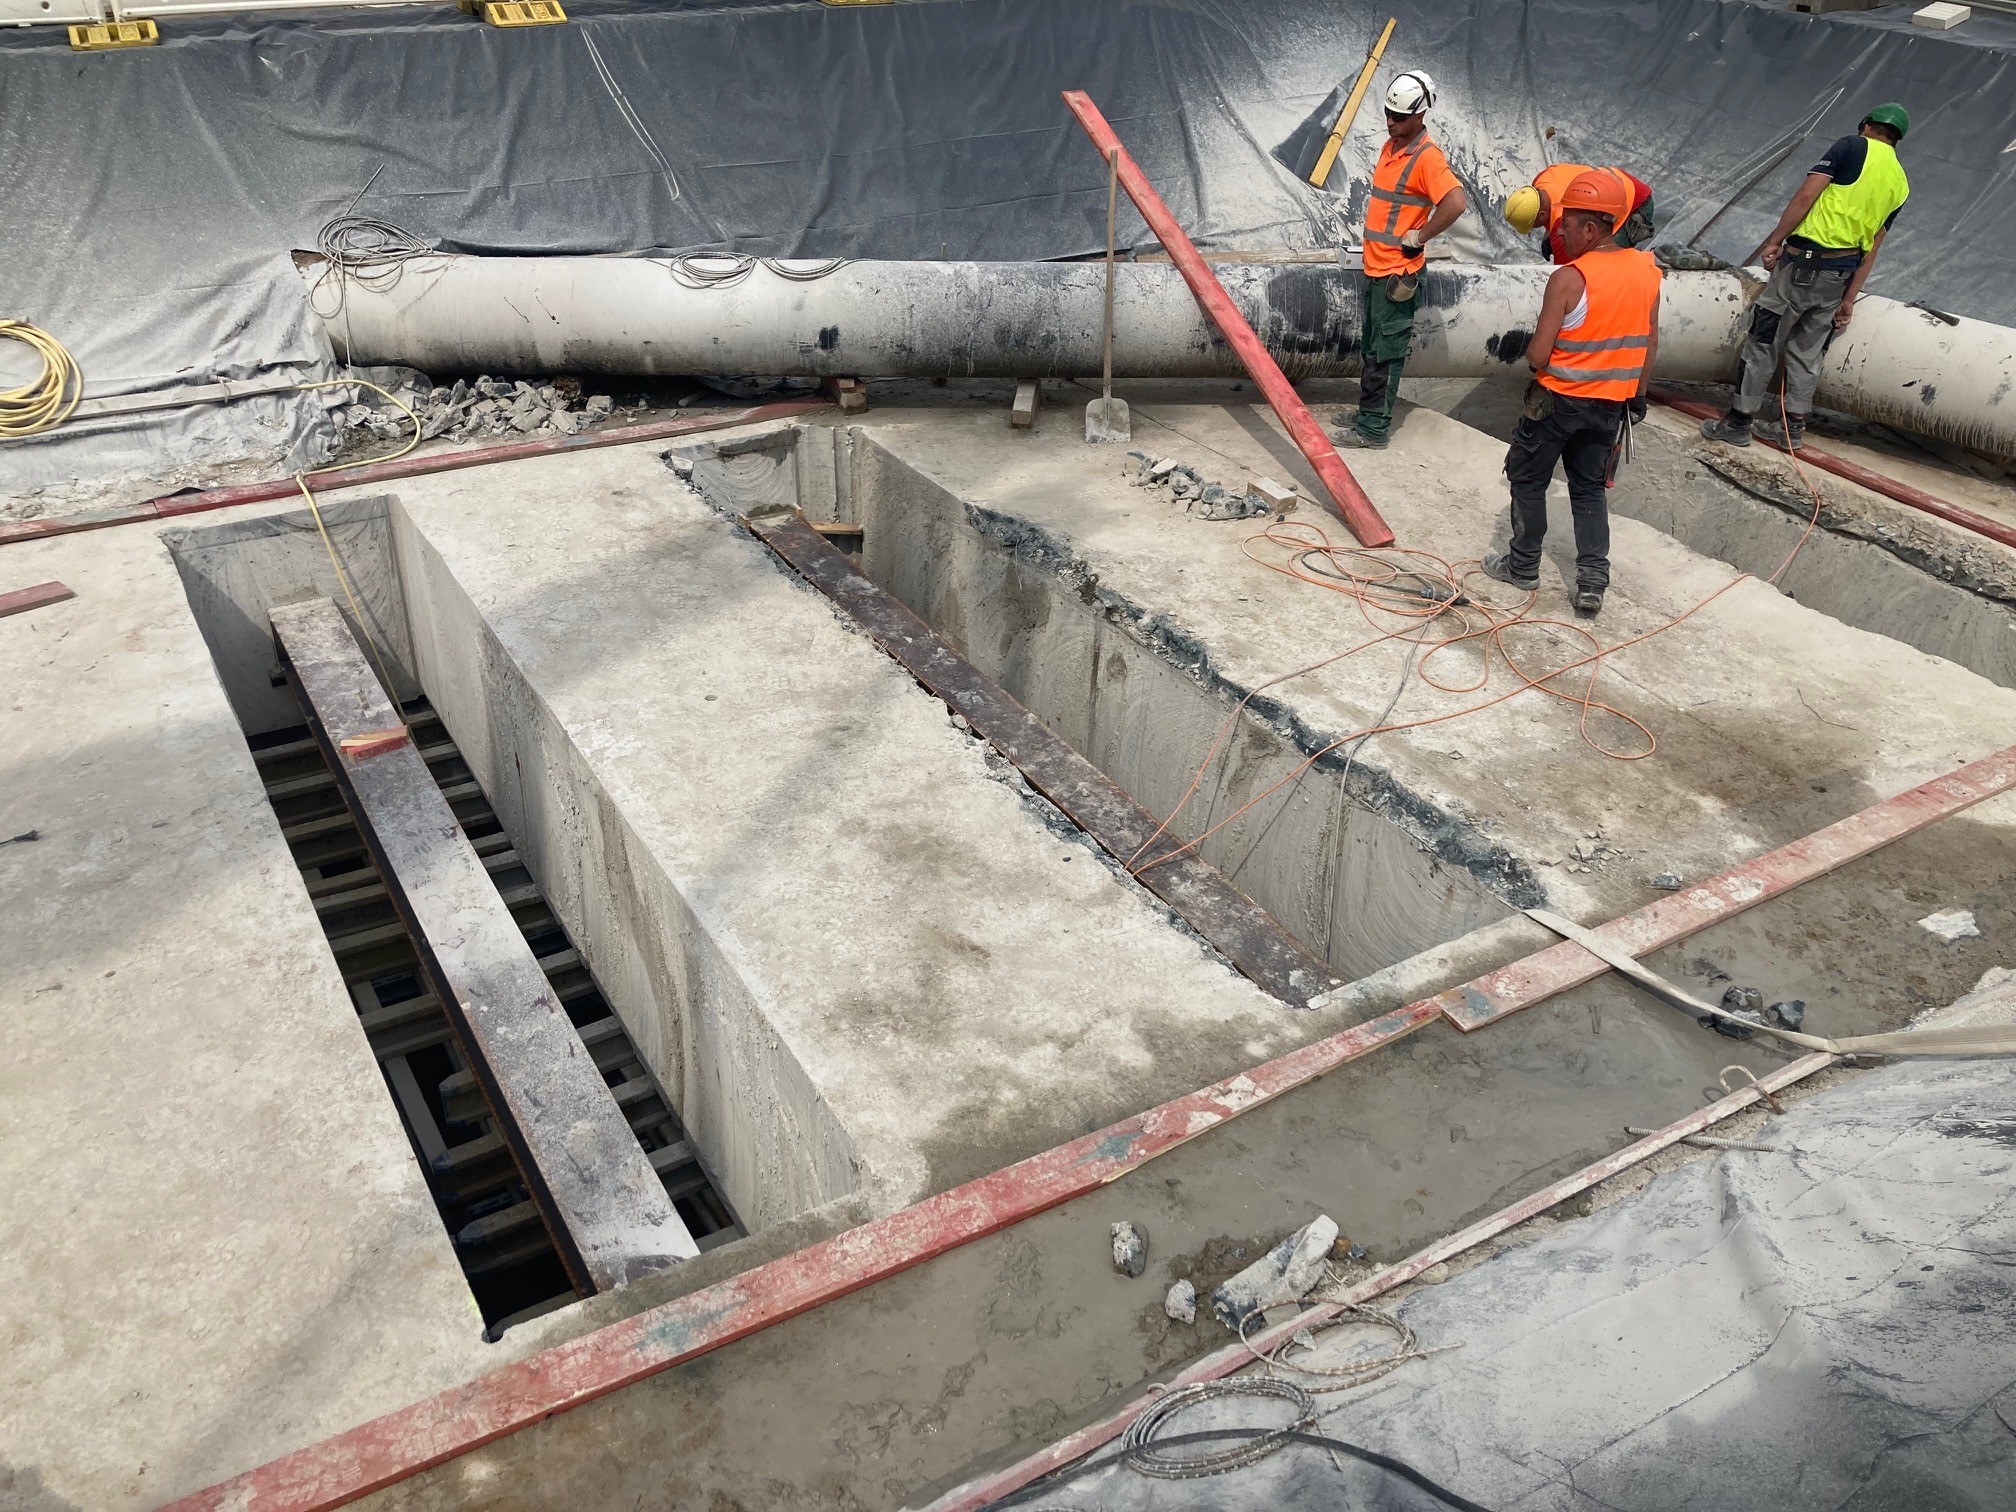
1828, 1326
152, 197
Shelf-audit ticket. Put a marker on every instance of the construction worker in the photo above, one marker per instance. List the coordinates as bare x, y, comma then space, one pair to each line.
1591, 352
1539, 204
1414, 199
1819, 255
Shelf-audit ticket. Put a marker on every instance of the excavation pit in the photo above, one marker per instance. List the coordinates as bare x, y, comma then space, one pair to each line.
868, 963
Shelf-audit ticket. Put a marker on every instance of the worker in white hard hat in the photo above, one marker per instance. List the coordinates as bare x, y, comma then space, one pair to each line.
1414, 198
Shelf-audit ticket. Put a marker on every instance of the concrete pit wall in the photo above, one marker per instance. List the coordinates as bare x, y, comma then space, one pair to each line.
761, 1130
1128, 693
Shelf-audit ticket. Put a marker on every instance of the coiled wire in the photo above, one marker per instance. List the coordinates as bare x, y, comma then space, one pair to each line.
46, 400
723, 270
1138, 1443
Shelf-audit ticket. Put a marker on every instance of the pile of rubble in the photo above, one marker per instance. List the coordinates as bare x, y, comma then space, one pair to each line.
469, 410
1205, 499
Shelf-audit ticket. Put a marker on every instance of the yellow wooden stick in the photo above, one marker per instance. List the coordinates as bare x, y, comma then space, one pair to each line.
1350, 111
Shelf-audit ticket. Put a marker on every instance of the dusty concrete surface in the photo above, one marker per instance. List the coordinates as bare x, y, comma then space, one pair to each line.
219, 1245
1873, 562
880, 1398
854, 947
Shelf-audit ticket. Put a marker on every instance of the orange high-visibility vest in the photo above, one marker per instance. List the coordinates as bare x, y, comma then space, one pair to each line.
1604, 357
1553, 182
1393, 209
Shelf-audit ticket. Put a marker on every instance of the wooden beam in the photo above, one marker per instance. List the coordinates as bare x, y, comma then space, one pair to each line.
21, 600
596, 1190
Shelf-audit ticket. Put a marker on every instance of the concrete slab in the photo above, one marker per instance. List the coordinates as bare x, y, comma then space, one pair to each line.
1771, 719
854, 947
219, 1243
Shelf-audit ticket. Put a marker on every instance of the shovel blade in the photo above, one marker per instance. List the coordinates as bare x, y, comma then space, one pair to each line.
1107, 420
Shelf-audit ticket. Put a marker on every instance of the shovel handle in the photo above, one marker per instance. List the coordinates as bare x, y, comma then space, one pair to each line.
1112, 207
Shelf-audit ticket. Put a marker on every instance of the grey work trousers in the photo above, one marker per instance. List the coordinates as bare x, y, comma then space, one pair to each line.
1793, 319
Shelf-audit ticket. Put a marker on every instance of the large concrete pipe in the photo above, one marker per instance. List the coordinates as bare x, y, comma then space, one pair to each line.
1027, 320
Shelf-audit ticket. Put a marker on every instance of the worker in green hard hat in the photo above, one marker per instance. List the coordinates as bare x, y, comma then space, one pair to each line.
1819, 255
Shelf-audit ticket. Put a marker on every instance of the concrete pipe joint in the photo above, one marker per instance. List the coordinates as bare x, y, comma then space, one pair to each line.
533, 315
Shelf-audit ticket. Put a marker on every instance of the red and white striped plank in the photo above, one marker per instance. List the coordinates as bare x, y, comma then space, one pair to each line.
1216, 1366
1559, 967
21, 600
172, 506
1348, 499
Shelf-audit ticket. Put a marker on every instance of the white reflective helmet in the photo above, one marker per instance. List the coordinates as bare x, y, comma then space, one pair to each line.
1411, 93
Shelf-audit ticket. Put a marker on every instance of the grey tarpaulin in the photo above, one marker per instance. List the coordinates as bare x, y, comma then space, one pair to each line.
152, 197
1830, 1326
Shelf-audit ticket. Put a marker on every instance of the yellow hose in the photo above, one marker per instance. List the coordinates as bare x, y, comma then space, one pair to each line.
47, 400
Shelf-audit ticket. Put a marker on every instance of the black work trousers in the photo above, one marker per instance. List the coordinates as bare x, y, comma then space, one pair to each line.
1577, 433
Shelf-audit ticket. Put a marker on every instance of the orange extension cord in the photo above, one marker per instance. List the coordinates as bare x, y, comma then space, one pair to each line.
1394, 612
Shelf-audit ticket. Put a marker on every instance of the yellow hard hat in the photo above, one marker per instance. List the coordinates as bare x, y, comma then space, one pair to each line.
1523, 209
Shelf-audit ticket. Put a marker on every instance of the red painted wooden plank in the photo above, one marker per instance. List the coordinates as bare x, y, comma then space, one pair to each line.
1216, 1366
366, 473
1565, 965
21, 600
1353, 506
1855, 472
402, 1443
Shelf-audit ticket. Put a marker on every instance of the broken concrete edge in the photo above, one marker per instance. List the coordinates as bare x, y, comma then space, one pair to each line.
1854, 472
1221, 1363
1236, 927
430, 1432
174, 505
1449, 838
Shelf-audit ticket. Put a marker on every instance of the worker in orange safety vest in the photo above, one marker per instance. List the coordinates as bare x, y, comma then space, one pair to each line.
1591, 353
1539, 204
1413, 199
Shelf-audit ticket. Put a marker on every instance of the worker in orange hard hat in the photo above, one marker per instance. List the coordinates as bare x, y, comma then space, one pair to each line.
1591, 353
1413, 199
1539, 204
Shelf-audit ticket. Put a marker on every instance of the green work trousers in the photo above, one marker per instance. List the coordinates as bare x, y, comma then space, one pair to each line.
1389, 331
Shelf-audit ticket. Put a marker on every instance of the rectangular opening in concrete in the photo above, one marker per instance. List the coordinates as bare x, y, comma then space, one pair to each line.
1336, 856
236, 576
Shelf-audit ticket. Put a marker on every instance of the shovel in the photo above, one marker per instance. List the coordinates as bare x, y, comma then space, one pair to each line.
1106, 418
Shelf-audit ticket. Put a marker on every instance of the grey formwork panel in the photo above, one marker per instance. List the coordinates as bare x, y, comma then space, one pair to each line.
594, 1185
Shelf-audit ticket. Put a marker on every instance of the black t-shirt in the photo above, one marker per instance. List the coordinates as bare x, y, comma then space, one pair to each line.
1842, 163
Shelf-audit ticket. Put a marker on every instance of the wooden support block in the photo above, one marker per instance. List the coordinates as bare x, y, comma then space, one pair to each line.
596, 1191
851, 394
1028, 395
21, 600
1279, 497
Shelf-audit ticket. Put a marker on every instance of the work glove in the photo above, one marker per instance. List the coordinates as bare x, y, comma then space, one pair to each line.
1637, 408
1412, 241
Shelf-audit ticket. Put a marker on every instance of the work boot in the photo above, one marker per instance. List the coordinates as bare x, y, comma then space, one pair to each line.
1588, 602
1788, 437
1352, 438
1498, 565
1731, 430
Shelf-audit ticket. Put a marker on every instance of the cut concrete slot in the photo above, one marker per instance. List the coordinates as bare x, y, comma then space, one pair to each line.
1132, 695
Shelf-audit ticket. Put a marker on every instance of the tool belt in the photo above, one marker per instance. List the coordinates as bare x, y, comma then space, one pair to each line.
1400, 287
1808, 263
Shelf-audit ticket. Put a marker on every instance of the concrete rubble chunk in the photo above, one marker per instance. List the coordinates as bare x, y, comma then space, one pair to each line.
600, 405
1952, 925
1130, 1250
1180, 1305
1284, 1274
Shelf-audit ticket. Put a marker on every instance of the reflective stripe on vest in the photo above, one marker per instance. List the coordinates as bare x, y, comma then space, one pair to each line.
1850, 215
1605, 356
